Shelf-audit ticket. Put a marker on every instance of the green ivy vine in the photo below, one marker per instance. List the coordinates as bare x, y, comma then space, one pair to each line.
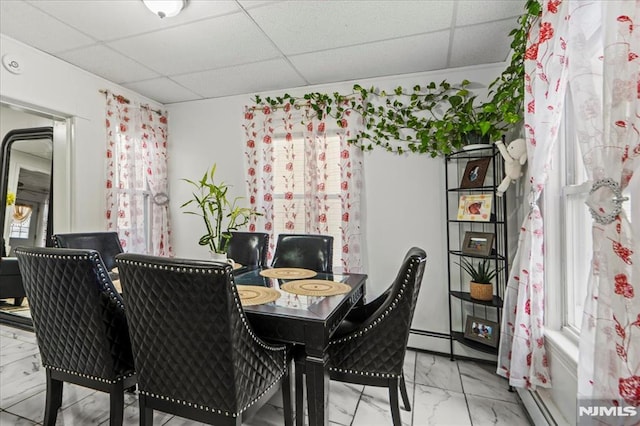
435, 118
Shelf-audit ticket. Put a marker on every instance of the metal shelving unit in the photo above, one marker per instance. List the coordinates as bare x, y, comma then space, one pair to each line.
461, 304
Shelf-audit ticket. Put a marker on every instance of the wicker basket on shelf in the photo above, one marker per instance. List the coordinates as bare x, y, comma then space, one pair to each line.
480, 291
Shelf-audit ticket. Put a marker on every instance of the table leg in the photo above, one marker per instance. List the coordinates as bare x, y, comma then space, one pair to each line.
317, 388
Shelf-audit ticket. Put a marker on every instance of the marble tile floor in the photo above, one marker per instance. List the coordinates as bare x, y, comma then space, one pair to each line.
441, 393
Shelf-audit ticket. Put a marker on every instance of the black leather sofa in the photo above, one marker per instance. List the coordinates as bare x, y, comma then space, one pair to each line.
10, 279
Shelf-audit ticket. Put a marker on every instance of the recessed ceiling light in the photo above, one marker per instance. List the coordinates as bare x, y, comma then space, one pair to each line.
165, 8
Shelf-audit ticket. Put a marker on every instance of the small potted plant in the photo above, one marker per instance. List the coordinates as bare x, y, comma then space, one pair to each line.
220, 215
481, 275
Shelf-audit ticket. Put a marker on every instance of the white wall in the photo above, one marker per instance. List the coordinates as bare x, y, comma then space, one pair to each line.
53, 86
404, 195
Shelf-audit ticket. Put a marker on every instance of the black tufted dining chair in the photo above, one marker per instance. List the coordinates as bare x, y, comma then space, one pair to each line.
249, 248
106, 243
368, 347
80, 325
307, 251
195, 352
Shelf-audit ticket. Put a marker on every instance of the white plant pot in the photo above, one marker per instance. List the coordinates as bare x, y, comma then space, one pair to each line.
221, 257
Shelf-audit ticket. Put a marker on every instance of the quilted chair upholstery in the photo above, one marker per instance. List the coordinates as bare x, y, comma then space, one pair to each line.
80, 325
369, 347
249, 248
105, 243
307, 251
195, 352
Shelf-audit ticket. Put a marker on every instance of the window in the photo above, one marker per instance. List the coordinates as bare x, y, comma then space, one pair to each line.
573, 241
21, 222
293, 217
577, 223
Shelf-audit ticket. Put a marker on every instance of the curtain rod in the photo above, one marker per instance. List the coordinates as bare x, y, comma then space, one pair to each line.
127, 101
297, 104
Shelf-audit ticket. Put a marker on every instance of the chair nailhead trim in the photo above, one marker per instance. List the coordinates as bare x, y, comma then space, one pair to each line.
227, 270
105, 281
364, 373
378, 320
87, 376
215, 410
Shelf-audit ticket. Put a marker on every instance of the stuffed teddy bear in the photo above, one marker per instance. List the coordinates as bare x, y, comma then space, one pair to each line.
515, 156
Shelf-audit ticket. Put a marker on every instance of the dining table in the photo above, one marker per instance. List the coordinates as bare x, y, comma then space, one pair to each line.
308, 321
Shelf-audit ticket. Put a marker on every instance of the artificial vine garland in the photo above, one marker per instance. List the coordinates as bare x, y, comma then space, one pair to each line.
436, 118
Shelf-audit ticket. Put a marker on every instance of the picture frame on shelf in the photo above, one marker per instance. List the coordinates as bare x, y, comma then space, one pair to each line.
475, 173
482, 331
475, 207
477, 243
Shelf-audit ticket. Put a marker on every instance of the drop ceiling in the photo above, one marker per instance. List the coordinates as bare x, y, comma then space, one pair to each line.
222, 48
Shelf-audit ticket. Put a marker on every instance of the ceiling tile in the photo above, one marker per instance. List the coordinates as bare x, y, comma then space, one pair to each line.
250, 4
108, 64
207, 44
319, 25
24, 23
111, 20
465, 51
221, 48
401, 56
469, 12
162, 90
250, 78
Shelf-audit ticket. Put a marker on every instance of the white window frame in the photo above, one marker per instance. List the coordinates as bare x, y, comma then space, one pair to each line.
565, 191
332, 139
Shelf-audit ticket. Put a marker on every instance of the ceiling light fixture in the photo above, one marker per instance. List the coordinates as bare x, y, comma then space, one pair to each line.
165, 8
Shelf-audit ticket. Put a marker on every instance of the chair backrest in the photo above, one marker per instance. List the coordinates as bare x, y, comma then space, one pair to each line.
78, 316
192, 342
249, 248
105, 243
385, 333
307, 251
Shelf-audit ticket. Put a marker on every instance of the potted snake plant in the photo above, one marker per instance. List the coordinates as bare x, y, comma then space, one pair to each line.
482, 275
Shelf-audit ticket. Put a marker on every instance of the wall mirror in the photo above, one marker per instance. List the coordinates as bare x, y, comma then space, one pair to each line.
26, 211
25, 188
35, 169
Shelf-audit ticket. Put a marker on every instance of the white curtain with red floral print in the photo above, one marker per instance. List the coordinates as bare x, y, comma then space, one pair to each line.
605, 88
262, 125
522, 357
137, 176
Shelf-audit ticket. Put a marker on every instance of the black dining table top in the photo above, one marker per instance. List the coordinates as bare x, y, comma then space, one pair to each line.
296, 305
323, 313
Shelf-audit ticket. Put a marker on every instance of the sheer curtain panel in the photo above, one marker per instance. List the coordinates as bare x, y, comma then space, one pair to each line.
136, 183
521, 357
605, 88
303, 177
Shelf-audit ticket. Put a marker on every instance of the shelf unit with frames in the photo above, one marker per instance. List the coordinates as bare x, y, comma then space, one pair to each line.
476, 232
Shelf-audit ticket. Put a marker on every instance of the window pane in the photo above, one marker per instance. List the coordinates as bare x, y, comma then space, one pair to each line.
577, 228
579, 251
290, 215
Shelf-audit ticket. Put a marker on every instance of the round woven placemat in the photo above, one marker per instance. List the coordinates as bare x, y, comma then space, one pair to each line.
288, 273
256, 295
315, 287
